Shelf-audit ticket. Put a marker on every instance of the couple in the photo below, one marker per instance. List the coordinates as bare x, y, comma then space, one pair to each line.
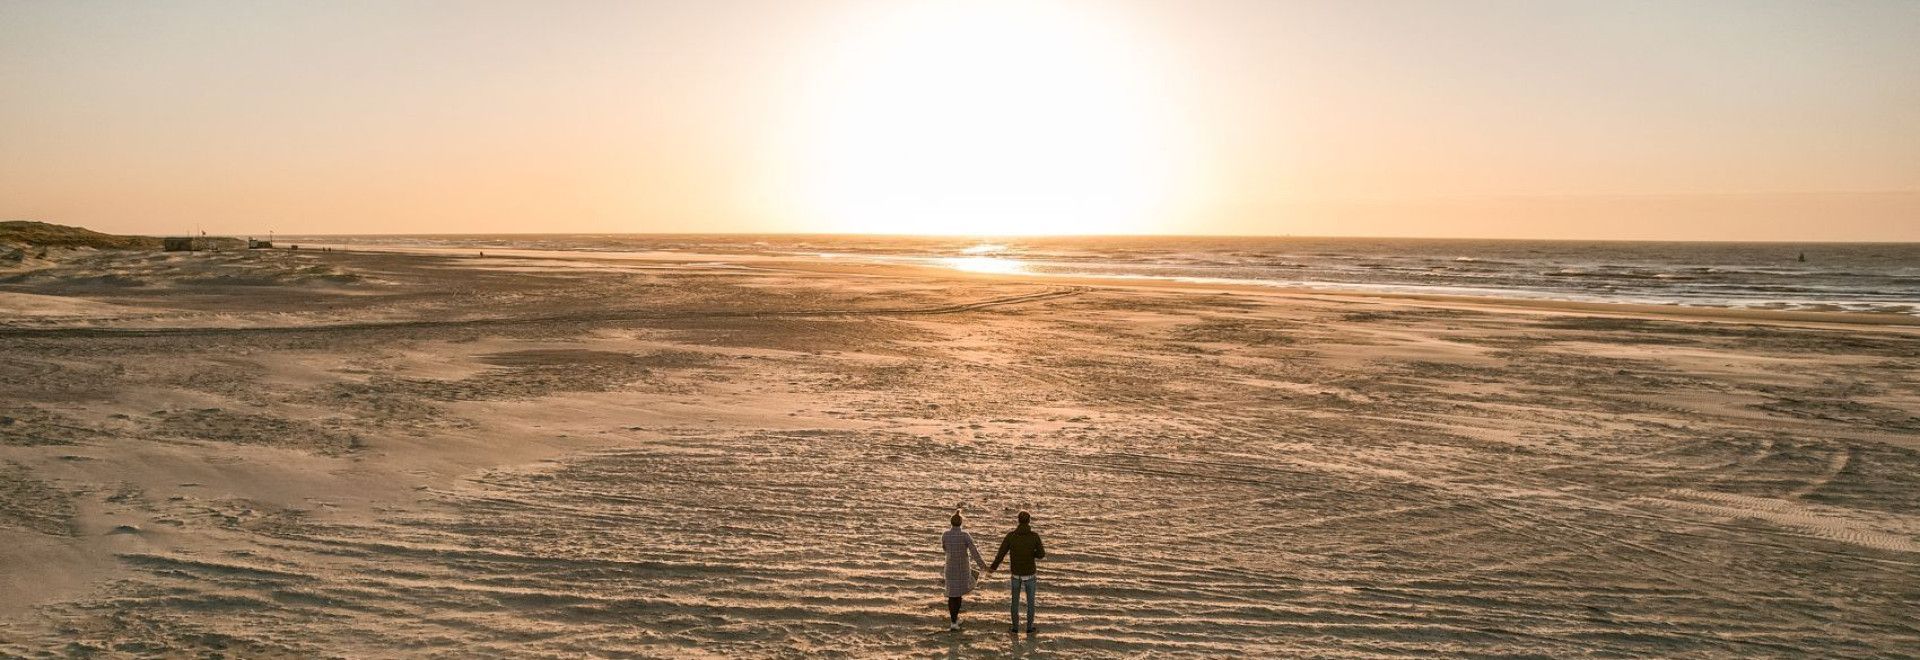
1021, 544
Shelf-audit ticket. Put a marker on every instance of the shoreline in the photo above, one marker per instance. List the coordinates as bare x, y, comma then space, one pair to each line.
1805, 318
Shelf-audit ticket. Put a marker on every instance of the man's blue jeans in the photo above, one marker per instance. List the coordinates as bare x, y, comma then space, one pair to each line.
1031, 582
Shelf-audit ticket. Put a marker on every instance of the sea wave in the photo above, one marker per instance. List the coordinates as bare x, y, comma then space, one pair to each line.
1875, 277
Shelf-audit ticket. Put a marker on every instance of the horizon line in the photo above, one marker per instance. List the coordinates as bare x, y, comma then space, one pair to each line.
1016, 237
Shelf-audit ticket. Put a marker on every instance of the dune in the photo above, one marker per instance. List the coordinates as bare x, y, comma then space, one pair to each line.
38, 235
377, 454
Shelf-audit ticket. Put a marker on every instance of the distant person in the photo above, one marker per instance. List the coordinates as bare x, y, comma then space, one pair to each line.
1023, 545
960, 578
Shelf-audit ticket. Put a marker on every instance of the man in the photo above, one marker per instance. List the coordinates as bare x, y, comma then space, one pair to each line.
1024, 547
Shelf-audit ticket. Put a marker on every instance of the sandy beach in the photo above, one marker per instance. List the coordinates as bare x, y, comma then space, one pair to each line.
375, 454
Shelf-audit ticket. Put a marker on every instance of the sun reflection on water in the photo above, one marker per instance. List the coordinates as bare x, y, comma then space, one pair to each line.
998, 265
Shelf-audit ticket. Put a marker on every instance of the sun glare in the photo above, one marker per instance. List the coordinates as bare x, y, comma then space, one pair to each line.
987, 118
996, 265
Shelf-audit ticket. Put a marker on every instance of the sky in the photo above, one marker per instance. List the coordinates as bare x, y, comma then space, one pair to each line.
1614, 119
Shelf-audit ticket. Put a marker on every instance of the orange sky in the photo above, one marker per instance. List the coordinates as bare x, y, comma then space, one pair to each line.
1708, 119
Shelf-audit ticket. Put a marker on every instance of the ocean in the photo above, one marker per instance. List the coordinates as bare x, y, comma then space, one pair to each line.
1857, 277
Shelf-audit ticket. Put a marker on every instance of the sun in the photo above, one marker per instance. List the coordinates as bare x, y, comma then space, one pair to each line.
986, 118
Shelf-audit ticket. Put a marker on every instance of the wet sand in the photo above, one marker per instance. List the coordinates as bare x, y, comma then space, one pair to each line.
371, 454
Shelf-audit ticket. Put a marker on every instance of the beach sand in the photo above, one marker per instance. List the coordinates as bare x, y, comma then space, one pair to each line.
377, 454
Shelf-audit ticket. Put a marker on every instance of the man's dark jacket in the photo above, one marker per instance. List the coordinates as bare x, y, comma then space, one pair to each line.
1024, 546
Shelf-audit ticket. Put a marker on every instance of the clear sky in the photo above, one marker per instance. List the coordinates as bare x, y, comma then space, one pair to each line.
1691, 119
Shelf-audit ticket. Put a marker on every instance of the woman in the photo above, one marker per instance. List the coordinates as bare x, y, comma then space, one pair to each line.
959, 546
